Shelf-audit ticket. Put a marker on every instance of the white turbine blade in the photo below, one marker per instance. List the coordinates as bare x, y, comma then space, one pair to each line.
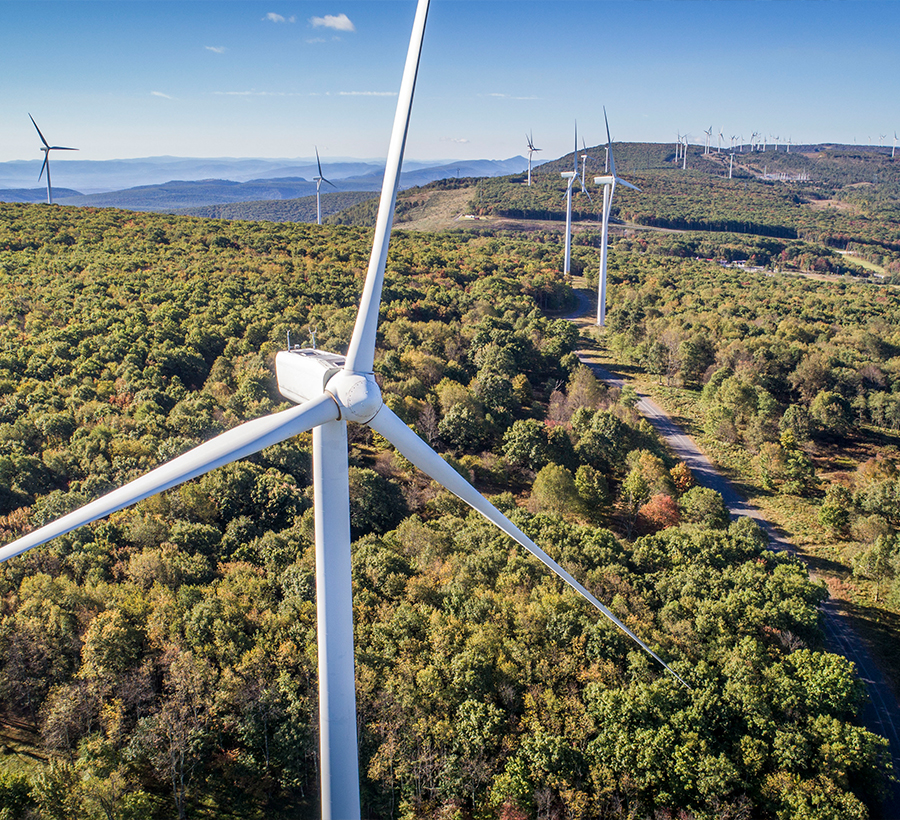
39, 131
45, 166
620, 181
395, 430
61, 148
319, 164
612, 159
245, 440
361, 352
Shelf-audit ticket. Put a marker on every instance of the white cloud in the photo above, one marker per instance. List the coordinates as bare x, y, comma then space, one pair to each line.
216, 49
367, 93
259, 94
507, 96
457, 140
339, 22
160, 94
272, 17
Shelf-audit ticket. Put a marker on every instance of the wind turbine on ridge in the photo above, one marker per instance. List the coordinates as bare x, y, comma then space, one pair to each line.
47, 148
571, 176
331, 390
319, 180
609, 187
531, 149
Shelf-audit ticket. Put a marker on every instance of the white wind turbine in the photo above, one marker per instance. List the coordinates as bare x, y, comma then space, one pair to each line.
319, 180
584, 158
531, 149
331, 390
571, 176
47, 148
609, 187
894, 149
708, 133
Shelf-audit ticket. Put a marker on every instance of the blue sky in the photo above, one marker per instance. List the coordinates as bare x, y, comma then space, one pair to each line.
212, 78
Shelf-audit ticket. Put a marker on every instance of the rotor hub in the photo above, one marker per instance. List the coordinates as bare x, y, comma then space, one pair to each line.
357, 394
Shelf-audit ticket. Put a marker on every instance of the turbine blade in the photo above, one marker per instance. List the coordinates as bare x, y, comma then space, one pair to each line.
45, 166
38, 130
621, 181
329, 182
241, 441
612, 159
395, 430
361, 352
319, 164
61, 148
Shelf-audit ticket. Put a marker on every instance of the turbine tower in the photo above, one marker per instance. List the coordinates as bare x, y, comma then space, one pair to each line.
319, 180
609, 187
894, 149
47, 148
571, 176
330, 391
531, 149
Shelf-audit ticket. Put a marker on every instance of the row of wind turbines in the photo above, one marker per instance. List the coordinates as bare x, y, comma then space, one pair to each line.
331, 390
608, 180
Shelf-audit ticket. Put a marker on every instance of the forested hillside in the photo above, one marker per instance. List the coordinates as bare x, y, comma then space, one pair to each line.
162, 663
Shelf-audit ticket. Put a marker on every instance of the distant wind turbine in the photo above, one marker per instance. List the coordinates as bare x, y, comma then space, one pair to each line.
708, 133
531, 149
47, 148
571, 176
721, 137
319, 180
609, 187
330, 390
894, 149
584, 158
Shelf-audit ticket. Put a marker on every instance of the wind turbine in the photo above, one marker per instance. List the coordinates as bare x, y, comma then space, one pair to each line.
319, 180
721, 137
584, 158
47, 148
609, 187
683, 154
571, 176
708, 137
531, 150
330, 390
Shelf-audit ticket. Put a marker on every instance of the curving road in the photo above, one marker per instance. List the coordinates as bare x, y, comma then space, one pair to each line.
881, 713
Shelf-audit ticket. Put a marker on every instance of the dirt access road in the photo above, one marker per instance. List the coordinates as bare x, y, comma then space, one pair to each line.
881, 713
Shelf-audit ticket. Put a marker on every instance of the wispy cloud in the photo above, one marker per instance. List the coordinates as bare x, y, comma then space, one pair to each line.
260, 94
160, 94
507, 96
339, 22
457, 140
272, 17
367, 93
216, 49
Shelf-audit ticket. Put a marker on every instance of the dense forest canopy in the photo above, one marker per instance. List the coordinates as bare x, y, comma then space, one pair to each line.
164, 660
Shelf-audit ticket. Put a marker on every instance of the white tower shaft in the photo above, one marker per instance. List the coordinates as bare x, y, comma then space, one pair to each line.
339, 760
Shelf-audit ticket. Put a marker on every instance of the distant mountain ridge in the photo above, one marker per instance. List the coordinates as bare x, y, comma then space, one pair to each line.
157, 184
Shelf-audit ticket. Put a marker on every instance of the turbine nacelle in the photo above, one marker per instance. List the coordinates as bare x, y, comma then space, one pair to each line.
305, 374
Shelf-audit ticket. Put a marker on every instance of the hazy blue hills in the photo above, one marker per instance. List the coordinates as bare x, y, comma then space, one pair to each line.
170, 183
